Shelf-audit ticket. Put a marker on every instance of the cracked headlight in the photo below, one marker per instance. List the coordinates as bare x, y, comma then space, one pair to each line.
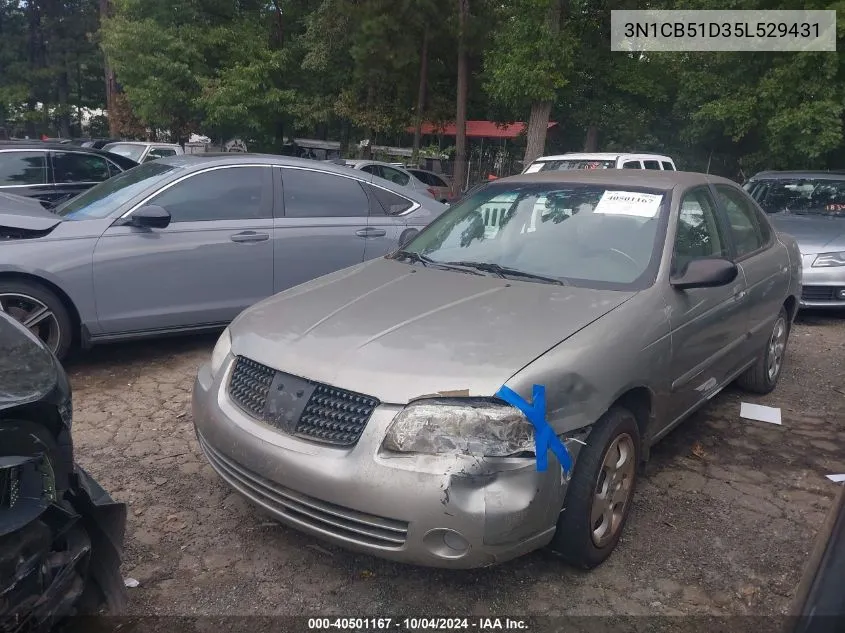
825, 260
220, 352
481, 428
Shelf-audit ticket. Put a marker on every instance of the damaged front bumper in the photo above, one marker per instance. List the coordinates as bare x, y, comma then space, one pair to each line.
65, 560
441, 511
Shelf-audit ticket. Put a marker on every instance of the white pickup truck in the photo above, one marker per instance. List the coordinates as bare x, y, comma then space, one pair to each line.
601, 160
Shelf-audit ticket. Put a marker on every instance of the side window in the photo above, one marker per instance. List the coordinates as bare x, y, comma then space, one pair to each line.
437, 181
372, 169
747, 228
394, 175
631, 164
392, 203
69, 167
23, 168
652, 164
161, 152
668, 166
114, 169
232, 193
698, 234
316, 194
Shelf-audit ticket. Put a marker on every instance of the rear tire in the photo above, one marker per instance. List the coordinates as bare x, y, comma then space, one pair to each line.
598, 500
30, 301
762, 377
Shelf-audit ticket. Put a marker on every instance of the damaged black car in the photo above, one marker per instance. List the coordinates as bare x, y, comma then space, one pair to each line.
61, 534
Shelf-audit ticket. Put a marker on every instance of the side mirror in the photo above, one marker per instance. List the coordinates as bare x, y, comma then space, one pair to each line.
150, 216
705, 273
406, 237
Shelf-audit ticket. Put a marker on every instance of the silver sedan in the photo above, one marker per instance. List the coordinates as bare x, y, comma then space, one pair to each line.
809, 206
493, 386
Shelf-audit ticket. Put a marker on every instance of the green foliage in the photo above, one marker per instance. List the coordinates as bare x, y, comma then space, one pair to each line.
529, 58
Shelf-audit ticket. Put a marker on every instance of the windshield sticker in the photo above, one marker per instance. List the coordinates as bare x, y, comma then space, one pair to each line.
534, 168
642, 205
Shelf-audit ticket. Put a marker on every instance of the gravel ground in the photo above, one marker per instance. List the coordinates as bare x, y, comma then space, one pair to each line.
722, 522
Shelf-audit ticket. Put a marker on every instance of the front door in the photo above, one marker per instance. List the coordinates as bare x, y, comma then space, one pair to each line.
320, 225
708, 324
214, 259
74, 172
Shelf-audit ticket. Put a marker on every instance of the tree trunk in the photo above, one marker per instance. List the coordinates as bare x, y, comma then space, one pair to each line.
538, 125
62, 90
460, 172
421, 97
111, 82
591, 143
538, 122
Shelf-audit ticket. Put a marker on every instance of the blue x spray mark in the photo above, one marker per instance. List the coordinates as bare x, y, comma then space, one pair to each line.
545, 439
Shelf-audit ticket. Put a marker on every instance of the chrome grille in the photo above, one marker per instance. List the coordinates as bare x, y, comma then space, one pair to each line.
335, 416
250, 385
307, 512
330, 416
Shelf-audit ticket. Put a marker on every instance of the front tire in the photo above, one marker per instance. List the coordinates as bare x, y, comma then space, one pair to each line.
762, 377
598, 501
40, 311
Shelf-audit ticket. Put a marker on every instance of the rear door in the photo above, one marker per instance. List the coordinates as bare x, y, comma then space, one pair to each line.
708, 324
24, 172
74, 172
387, 225
320, 225
762, 259
214, 259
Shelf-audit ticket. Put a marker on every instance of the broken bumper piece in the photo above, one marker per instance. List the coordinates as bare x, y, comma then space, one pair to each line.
450, 511
65, 559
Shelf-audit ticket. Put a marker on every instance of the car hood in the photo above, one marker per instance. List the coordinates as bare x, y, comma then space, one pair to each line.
814, 233
397, 332
27, 369
17, 212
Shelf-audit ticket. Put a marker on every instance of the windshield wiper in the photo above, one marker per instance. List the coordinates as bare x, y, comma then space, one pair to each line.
414, 257
504, 271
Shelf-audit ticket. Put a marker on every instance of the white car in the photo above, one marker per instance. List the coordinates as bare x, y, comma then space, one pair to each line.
601, 160
394, 174
141, 152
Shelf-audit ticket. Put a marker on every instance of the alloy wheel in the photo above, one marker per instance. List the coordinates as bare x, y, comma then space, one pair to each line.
613, 489
777, 346
35, 315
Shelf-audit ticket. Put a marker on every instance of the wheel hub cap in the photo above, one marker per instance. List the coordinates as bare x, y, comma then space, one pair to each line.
613, 490
777, 345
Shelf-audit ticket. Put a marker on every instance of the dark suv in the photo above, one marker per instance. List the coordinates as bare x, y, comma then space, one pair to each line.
55, 172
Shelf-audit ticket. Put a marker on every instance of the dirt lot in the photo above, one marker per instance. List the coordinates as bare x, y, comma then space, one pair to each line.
722, 522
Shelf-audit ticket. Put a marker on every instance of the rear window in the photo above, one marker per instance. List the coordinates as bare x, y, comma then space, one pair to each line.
799, 196
570, 164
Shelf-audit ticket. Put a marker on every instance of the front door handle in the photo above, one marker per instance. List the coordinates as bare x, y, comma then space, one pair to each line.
249, 236
371, 231
739, 295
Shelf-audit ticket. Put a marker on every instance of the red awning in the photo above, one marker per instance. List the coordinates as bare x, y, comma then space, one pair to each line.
477, 129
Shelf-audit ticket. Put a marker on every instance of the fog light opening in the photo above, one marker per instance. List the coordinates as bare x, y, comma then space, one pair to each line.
446, 543
841, 293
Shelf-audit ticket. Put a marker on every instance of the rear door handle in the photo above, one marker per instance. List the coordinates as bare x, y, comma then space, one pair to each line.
371, 232
249, 236
739, 295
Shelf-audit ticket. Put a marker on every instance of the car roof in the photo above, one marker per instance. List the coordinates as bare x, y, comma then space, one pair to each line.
144, 143
822, 175
122, 161
651, 179
602, 156
362, 161
205, 159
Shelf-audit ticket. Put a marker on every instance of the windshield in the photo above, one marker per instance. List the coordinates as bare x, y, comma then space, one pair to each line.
565, 165
800, 196
125, 149
583, 235
102, 199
